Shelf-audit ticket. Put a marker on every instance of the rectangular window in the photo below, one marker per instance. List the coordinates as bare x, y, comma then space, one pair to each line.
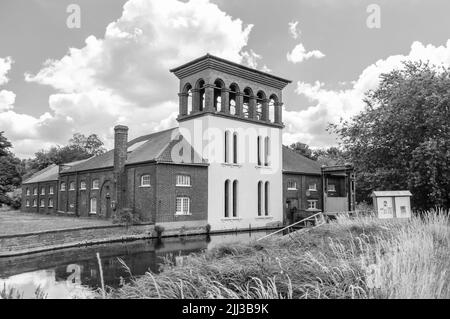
93, 205
145, 180
312, 204
331, 188
82, 185
292, 185
95, 184
312, 187
183, 180
50, 203
51, 190
267, 151
42, 191
183, 206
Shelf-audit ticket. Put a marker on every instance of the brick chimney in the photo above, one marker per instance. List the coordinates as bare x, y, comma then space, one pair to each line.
120, 157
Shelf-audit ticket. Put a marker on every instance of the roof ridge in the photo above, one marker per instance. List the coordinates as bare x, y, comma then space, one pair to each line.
40, 172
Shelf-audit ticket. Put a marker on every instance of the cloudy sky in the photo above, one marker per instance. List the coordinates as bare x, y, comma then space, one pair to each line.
56, 80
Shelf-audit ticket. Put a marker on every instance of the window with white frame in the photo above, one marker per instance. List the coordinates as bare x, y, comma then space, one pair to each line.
35, 191
71, 186
292, 185
312, 187
312, 204
183, 206
51, 190
27, 203
95, 184
267, 151
183, 180
62, 187
331, 187
82, 185
34, 202
93, 205
50, 202
28, 192
145, 181
43, 191
42, 203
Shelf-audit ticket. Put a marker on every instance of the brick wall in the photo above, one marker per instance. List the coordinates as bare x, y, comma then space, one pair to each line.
40, 198
167, 191
302, 194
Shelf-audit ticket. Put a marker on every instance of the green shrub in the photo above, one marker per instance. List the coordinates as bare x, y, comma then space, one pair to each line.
127, 217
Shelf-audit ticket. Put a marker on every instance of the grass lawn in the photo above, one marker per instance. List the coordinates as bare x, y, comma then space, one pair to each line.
362, 257
16, 222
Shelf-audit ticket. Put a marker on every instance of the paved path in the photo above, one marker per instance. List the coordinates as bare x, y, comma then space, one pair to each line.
16, 222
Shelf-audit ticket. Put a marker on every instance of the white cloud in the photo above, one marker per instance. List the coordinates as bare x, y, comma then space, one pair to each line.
329, 106
124, 77
299, 54
293, 31
5, 66
7, 98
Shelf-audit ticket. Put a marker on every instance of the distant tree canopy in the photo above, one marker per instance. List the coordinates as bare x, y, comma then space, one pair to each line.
402, 139
326, 156
10, 169
80, 147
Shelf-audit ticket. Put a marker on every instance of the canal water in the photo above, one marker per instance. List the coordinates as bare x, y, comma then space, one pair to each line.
72, 273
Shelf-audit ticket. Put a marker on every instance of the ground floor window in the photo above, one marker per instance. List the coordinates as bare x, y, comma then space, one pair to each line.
93, 205
266, 198
183, 206
28, 203
34, 202
312, 204
42, 203
50, 202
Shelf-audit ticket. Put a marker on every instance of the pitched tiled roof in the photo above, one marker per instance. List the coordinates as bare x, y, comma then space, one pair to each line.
156, 146
49, 173
296, 163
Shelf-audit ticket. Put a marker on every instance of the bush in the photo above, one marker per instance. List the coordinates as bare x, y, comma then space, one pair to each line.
127, 217
159, 230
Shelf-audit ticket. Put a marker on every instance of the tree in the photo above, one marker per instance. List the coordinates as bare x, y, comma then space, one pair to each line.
80, 147
402, 138
330, 156
10, 176
303, 149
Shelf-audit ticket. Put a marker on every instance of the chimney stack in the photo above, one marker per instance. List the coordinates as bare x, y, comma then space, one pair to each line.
120, 157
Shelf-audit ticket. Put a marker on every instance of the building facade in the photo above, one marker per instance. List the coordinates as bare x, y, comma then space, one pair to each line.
224, 165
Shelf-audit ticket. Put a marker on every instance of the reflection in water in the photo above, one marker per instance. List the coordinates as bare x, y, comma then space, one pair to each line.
71, 273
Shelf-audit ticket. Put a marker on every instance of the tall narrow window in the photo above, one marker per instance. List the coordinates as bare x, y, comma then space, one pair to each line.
235, 148
235, 198
93, 205
51, 190
227, 199
43, 191
226, 147
267, 151
28, 192
266, 198
35, 191
42, 203
28, 203
50, 203
259, 198
34, 202
258, 143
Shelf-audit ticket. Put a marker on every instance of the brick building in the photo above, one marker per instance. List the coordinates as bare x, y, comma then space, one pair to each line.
224, 165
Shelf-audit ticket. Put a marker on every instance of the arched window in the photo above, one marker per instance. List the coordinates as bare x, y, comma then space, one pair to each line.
95, 184
62, 187
200, 87
260, 185
218, 86
246, 102
227, 147
266, 151
272, 101
235, 198
71, 186
266, 198
93, 205
42, 203
232, 98
28, 192
227, 199
258, 150
235, 148
50, 203
260, 97
189, 101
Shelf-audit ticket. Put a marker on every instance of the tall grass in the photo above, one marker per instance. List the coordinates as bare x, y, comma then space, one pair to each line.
361, 257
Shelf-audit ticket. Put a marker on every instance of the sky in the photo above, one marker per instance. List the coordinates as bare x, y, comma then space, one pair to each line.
58, 76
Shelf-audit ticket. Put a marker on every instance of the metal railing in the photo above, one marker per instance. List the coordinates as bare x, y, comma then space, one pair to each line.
315, 217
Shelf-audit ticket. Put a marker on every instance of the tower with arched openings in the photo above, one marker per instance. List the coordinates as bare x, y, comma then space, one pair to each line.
232, 115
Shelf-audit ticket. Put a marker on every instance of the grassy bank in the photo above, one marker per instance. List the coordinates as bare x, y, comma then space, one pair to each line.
349, 258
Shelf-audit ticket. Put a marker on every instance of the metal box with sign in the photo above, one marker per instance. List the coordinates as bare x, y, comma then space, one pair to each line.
392, 204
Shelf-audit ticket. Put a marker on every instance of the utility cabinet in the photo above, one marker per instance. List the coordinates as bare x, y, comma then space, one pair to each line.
392, 204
